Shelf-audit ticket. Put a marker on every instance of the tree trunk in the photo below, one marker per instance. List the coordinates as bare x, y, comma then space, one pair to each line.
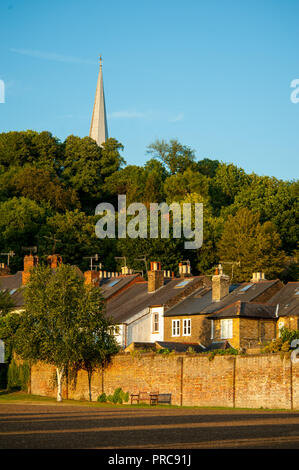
59, 373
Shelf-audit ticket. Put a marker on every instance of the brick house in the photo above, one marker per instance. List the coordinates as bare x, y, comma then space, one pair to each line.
225, 314
243, 324
139, 309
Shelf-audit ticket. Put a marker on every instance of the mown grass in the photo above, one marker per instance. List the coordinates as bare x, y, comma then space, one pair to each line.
20, 397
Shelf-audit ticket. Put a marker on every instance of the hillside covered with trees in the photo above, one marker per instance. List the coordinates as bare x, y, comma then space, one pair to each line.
50, 188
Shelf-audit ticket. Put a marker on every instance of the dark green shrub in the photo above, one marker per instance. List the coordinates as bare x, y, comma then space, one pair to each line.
288, 335
163, 351
102, 398
283, 343
223, 352
119, 396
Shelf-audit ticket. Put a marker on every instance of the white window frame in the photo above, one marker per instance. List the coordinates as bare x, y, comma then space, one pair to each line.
187, 327
175, 328
212, 329
156, 316
226, 328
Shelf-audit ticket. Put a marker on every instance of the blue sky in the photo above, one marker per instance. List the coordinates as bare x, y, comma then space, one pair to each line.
214, 74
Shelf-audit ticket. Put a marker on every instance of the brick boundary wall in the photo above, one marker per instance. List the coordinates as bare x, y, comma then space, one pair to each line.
253, 381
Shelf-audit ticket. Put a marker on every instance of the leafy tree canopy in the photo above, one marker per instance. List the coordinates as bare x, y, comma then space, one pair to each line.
63, 322
256, 246
175, 156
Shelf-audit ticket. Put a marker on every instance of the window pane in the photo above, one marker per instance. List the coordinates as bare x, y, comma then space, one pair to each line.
226, 329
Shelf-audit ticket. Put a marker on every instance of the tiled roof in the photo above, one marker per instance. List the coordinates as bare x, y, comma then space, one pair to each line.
13, 284
244, 309
112, 285
287, 300
193, 305
245, 292
137, 298
218, 345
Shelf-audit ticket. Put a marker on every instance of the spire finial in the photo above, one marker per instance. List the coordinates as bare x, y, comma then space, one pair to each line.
101, 61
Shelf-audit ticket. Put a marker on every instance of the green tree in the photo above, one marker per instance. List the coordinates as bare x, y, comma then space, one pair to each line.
129, 181
44, 188
6, 302
75, 231
41, 150
9, 323
276, 201
63, 322
177, 187
20, 222
256, 246
207, 167
82, 169
111, 160
155, 175
229, 180
175, 156
97, 342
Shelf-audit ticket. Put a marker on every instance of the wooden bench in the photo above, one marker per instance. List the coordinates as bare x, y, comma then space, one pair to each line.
164, 399
154, 398
151, 397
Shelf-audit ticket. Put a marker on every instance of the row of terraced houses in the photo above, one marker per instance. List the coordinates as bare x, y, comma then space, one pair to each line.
184, 311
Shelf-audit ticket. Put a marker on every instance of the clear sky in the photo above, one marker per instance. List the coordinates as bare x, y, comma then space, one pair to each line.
215, 74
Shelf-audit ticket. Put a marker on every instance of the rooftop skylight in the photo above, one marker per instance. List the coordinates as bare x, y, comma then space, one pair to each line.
245, 288
112, 283
183, 283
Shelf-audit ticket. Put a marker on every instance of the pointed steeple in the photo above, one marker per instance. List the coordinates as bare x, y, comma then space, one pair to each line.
98, 128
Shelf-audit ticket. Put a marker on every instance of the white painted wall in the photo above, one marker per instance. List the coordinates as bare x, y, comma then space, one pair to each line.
139, 328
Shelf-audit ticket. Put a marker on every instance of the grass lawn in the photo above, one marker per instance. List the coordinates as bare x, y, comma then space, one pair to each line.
22, 397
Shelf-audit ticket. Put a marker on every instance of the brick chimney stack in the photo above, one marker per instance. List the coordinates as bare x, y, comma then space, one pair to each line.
220, 285
30, 261
155, 277
92, 277
54, 261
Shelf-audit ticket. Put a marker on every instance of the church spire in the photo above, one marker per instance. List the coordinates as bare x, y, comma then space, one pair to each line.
98, 128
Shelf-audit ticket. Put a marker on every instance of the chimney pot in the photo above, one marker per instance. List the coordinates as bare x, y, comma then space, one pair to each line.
258, 276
